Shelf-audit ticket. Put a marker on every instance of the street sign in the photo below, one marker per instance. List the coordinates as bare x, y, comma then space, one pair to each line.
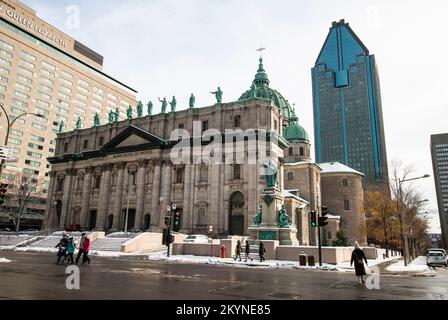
6, 153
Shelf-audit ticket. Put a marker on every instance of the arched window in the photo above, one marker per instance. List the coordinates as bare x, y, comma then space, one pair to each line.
98, 182
66, 147
237, 171
301, 152
203, 173
179, 175
291, 151
237, 121
202, 219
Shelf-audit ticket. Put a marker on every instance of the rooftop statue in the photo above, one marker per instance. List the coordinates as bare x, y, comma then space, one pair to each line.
139, 109
150, 106
111, 116
192, 101
61, 127
164, 104
253, 90
218, 95
117, 115
129, 112
78, 123
173, 104
96, 119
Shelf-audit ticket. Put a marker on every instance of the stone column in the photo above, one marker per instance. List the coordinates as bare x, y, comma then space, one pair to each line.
155, 212
166, 189
187, 190
103, 201
49, 207
86, 192
141, 182
118, 195
67, 196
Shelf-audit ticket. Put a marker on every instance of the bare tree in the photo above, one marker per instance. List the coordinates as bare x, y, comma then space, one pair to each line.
24, 189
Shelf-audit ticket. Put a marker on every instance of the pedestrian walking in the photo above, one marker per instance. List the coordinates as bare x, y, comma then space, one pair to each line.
62, 246
261, 251
81, 247
238, 250
358, 257
247, 251
86, 249
70, 251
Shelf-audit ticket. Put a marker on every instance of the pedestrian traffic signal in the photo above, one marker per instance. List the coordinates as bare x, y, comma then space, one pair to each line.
177, 220
323, 218
3, 190
313, 219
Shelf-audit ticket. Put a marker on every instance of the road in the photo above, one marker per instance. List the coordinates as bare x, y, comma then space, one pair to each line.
35, 276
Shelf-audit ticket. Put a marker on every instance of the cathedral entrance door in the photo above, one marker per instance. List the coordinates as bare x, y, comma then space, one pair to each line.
236, 214
92, 219
131, 219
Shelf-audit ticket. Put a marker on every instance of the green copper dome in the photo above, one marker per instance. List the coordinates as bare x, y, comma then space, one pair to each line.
295, 132
260, 89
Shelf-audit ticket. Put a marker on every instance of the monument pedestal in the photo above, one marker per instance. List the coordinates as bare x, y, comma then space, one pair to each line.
269, 229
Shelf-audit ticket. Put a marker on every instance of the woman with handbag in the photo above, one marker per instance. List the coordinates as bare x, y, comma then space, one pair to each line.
358, 257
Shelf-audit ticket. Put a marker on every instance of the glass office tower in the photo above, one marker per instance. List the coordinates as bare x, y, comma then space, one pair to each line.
348, 120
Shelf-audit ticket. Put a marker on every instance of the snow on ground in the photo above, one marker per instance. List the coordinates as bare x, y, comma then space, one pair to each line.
345, 266
3, 260
268, 264
418, 265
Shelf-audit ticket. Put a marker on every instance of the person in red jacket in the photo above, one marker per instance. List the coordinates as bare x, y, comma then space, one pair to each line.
86, 249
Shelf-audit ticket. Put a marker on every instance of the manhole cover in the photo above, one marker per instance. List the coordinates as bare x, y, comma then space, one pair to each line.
284, 295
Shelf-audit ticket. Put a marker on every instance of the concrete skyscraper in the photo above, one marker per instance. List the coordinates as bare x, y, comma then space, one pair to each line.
348, 119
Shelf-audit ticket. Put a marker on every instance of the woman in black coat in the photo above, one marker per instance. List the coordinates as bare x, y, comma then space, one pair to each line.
358, 257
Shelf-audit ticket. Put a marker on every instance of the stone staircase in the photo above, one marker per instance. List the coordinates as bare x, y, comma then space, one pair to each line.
108, 244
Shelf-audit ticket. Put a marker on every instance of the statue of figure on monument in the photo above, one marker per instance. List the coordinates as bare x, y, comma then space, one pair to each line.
96, 119
173, 104
270, 170
164, 104
258, 217
139, 109
129, 112
253, 90
150, 106
284, 219
111, 116
218, 94
192, 101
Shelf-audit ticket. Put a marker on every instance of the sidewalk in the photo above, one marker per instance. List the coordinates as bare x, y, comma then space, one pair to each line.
417, 267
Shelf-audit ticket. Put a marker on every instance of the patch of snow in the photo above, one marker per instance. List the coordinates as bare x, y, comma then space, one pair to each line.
3, 260
418, 265
345, 266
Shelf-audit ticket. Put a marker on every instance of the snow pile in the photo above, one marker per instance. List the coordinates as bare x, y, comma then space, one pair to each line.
418, 265
3, 260
345, 266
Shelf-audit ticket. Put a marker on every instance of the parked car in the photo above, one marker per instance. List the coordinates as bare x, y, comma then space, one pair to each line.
437, 250
197, 238
436, 258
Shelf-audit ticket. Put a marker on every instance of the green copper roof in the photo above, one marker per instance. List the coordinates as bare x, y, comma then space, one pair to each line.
260, 89
295, 132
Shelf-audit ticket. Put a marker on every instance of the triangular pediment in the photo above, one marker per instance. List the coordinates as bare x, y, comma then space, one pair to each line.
133, 138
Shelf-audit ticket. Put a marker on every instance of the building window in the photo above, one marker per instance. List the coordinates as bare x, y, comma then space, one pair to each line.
345, 182
204, 126
237, 121
101, 142
290, 151
85, 144
346, 205
275, 125
203, 173
329, 235
181, 126
59, 185
66, 147
290, 176
237, 171
301, 152
97, 182
179, 175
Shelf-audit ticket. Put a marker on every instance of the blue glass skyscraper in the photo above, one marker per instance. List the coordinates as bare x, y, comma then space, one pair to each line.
348, 119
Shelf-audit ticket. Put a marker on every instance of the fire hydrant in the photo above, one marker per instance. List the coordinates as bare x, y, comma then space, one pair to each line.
223, 251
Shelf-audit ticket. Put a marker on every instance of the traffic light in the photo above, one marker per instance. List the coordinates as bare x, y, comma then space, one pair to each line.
313, 219
3, 190
323, 218
177, 220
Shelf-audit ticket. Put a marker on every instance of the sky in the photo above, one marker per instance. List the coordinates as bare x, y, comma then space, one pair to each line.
163, 48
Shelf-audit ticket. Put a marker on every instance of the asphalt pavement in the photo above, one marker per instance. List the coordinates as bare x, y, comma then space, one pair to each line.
35, 276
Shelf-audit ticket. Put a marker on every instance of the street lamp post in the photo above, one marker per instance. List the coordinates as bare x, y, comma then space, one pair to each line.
9, 124
400, 212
